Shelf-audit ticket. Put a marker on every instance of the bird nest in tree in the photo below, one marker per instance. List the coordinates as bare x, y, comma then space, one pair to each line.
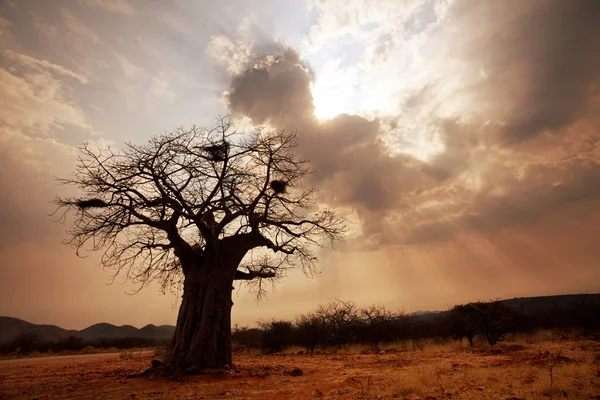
216, 152
278, 186
90, 203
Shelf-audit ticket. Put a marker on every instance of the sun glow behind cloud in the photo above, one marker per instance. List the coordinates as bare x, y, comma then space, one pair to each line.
327, 101
332, 98
371, 64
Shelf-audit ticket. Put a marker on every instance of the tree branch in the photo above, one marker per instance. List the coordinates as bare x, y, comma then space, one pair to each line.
155, 208
248, 276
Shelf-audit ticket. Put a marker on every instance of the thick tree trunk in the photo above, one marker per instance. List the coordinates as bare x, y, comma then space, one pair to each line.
202, 338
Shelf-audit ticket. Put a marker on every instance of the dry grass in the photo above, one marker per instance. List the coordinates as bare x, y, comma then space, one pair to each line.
514, 370
86, 350
128, 355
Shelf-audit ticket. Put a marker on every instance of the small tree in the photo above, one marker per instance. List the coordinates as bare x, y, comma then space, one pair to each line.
311, 331
377, 324
491, 320
341, 321
463, 322
203, 208
26, 343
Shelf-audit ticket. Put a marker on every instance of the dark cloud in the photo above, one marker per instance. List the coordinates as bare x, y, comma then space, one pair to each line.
353, 165
537, 75
514, 199
540, 59
275, 89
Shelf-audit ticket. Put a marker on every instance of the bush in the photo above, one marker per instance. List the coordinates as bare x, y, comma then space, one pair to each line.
247, 337
311, 332
72, 343
25, 343
277, 335
491, 321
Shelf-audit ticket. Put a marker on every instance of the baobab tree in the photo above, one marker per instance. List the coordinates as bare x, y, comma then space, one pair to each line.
202, 208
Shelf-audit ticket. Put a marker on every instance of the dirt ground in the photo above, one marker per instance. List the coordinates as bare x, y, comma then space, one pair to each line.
510, 371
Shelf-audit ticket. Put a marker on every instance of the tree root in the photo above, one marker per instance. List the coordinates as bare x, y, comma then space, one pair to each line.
160, 370
157, 368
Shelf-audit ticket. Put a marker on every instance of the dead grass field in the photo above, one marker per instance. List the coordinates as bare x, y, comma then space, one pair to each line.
510, 371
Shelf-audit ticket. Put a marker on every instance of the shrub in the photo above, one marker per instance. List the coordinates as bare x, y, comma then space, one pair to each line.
277, 334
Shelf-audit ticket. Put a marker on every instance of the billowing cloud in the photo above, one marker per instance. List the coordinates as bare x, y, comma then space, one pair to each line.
533, 79
460, 137
538, 61
275, 89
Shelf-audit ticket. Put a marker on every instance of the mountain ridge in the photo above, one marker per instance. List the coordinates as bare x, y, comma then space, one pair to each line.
11, 328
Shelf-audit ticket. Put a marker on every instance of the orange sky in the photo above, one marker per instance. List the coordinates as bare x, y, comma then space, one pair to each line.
460, 138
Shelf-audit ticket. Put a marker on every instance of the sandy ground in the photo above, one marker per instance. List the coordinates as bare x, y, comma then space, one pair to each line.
510, 372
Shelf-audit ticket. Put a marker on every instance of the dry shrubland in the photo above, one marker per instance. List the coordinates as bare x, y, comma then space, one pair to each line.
518, 368
339, 351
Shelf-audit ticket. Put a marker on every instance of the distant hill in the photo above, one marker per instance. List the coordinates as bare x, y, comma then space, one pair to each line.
535, 305
159, 332
531, 305
108, 331
10, 328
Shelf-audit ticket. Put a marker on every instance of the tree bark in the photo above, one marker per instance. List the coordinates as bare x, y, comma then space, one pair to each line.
202, 338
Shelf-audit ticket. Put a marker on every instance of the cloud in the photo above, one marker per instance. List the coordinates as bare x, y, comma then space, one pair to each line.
36, 102
37, 108
232, 55
158, 94
81, 31
461, 136
129, 69
538, 61
45, 28
471, 179
43, 64
114, 6
509, 199
275, 89
352, 164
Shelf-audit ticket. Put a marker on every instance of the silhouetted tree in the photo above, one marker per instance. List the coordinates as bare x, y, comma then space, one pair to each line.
342, 322
204, 208
493, 319
26, 343
311, 332
463, 322
490, 320
376, 324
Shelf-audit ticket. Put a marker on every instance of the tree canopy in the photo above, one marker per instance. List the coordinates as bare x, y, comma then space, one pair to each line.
152, 208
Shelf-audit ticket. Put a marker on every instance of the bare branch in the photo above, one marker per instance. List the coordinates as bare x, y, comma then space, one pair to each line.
156, 209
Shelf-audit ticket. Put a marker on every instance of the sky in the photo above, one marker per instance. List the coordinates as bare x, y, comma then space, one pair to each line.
460, 138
